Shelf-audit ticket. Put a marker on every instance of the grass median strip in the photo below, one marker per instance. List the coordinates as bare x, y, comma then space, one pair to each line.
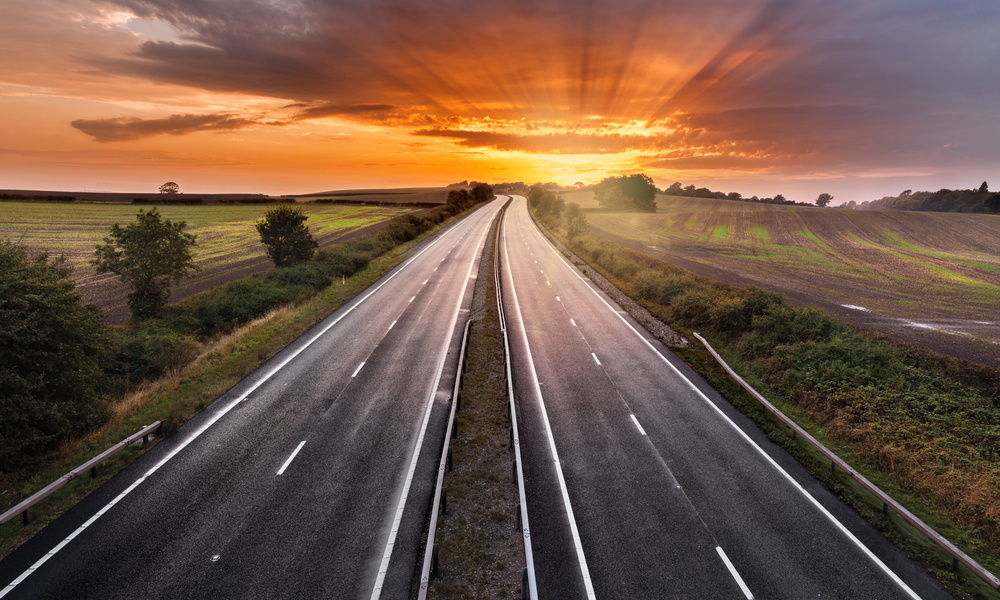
481, 553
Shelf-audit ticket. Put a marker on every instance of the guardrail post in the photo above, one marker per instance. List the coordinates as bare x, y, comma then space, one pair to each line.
524, 584
450, 466
511, 436
454, 429
25, 518
458, 400
517, 518
513, 471
444, 501
434, 561
93, 472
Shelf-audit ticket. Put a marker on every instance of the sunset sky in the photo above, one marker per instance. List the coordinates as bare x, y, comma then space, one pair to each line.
858, 98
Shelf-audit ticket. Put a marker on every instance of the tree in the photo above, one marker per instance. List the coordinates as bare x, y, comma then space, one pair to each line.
51, 351
627, 192
984, 188
286, 238
823, 199
992, 204
149, 254
576, 220
905, 193
170, 188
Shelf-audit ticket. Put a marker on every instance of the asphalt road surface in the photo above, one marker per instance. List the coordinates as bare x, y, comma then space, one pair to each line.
642, 482
311, 478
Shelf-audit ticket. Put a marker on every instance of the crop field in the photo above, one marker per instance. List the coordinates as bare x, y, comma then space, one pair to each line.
228, 244
387, 196
932, 279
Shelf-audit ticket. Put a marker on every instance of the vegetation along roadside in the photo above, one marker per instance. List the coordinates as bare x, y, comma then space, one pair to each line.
166, 367
923, 428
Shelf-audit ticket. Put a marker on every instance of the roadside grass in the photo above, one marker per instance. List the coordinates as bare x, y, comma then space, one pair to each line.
924, 429
181, 391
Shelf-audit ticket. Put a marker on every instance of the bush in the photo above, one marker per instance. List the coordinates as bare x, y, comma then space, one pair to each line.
51, 353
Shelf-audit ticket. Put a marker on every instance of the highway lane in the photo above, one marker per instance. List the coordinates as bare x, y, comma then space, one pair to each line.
305, 479
672, 493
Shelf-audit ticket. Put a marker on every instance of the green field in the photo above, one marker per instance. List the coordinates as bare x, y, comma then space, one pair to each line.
228, 244
386, 196
918, 274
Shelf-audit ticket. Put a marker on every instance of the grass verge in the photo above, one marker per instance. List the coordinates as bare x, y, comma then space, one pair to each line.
924, 429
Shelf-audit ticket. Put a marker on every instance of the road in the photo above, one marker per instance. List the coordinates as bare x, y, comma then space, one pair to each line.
311, 478
642, 482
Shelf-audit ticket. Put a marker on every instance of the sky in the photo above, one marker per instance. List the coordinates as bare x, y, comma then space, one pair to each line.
857, 98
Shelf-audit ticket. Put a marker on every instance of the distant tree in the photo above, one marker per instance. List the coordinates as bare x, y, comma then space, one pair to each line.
675, 189
627, 192
51, 351
286, 238
576, 220
149, 254
734, 196
170, 188
851, 205
992, 204
779, 199
984, 188
545, 203
823, 199
905, 193
482, 192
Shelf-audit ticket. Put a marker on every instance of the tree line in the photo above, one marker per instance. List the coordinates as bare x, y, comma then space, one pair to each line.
979, 200
60, 363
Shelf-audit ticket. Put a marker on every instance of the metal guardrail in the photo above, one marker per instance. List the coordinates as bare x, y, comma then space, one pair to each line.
958, 557
90, 465
430, 550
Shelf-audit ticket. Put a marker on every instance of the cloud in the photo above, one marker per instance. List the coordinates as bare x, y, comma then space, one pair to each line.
319, 112
132, 128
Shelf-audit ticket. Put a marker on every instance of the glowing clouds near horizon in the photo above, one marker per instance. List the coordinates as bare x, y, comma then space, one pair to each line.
353, 92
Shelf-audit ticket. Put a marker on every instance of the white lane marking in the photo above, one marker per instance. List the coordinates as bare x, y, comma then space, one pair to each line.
573, 322
547, 282
398, 518
636, 421
425, 282
393, 324
411, 299
358, 370
292, 457
435, 268
871, 556
211, 421
734, 572
577, 543
595, 358
557, 299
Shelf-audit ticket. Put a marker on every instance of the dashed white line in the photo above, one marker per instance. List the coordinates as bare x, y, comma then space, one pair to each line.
557, 299
411, 299
734, 572
573, 322
292, 457
425, 282
393, 324
358, 370
636, 421
595, 358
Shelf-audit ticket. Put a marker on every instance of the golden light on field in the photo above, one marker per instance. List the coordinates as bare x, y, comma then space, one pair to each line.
762, 96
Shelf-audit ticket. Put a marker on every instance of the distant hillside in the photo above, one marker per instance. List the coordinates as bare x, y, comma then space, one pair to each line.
943, 200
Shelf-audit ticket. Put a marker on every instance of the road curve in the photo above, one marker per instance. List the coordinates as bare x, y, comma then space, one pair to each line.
306, 479
643, 482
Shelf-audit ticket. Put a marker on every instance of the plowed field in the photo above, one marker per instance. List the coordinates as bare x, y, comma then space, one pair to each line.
228, 245
931, 279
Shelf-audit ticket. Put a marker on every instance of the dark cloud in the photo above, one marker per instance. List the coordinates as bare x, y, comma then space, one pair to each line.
551, 143
131, 128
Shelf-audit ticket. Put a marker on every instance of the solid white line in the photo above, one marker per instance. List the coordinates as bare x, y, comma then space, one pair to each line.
636, 421
291, 458
358, 370
393, 324
595, 358
734, 573
577, 543
211, 421
885, 569
398, 518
